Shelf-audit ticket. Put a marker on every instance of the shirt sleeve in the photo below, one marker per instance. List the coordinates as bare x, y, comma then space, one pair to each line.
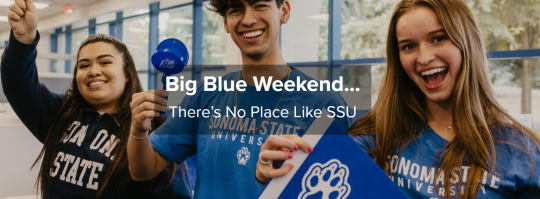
366, 142
176, 139
31, 100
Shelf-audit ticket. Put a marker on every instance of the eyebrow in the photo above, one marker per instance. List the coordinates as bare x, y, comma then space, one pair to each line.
240, 4
257, 1
430, 33
436, 31
403, 41
99, 57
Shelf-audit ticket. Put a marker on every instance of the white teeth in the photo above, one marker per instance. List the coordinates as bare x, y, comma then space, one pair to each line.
96, 83
433, 71
252, 34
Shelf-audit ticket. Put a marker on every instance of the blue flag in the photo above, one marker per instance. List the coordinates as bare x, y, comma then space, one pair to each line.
337, 168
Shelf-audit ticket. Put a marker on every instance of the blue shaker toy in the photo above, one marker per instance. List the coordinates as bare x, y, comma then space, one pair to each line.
170, 57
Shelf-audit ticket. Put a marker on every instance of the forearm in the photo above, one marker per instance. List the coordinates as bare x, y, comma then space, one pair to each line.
144, 162
32, 101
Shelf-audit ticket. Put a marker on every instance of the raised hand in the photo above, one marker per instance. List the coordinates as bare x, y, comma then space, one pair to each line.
23, 18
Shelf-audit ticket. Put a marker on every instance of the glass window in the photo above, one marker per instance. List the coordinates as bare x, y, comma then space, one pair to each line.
507, 25
103, 28
3, 44
365, 77
364, 27
508, 78
106, 17
136, 10
170, 3
317, 72
214, 41
177, 23
43, 65
135, 36
77, 38
305, 36
143, 78
79, 24
58, 66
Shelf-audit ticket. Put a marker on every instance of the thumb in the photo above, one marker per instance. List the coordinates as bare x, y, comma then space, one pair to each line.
30, 6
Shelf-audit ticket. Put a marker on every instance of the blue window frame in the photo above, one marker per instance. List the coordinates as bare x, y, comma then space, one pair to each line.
334, 44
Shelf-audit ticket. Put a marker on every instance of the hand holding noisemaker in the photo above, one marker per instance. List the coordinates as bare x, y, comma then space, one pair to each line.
170, 57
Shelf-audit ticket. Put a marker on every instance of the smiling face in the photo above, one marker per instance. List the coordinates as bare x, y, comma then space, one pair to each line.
100, 75
427, 54
255, 28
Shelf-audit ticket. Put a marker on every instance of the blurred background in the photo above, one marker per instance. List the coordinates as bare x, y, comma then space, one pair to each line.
325, 39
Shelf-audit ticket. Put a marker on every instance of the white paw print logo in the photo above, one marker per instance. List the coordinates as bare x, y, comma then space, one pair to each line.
243, 155
329, 178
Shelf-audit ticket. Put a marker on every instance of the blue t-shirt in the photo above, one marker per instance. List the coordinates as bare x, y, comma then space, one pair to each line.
227, 154
514, 175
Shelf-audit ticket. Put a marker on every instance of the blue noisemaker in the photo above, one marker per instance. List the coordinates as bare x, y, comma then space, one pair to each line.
170, 57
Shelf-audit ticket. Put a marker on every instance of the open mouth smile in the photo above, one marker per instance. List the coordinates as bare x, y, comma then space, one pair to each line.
96, 84
434, 78
252, 35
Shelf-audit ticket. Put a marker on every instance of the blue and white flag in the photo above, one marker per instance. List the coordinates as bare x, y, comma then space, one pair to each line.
337, 168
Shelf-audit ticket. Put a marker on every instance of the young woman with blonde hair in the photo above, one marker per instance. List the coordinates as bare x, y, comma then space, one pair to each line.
436, 128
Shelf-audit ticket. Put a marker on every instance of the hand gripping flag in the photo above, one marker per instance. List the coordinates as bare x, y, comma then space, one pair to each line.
337, 168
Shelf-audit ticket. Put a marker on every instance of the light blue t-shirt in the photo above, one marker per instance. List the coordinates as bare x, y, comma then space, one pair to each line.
514, 176
227, 154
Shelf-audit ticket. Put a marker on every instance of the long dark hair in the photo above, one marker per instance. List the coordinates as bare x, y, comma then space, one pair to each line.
117, 173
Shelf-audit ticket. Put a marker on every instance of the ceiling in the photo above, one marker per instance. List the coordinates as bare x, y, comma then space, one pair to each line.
55, 7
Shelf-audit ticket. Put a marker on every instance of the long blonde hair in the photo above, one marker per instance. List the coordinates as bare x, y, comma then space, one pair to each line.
399, 113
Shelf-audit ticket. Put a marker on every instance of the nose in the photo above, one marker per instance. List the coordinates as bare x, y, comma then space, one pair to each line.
95, 70
250, 18
426, 55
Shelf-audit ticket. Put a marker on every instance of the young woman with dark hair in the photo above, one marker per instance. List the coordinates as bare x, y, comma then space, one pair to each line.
85, 131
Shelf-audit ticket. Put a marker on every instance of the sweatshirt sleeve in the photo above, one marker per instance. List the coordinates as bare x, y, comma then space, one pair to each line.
31, 100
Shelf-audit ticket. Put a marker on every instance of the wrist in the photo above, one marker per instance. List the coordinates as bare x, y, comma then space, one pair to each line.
140, 137
257, 177
28, 38
139, 134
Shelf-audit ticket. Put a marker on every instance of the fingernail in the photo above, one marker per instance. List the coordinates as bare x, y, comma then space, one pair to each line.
290, 166
309, 149
289, 155
295, 147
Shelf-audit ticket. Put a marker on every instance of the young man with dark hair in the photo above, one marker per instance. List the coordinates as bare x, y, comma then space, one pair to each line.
228, 148
221, 6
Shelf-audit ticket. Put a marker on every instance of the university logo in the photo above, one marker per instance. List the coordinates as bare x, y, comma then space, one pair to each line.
243, 155
329, 180
166, 63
